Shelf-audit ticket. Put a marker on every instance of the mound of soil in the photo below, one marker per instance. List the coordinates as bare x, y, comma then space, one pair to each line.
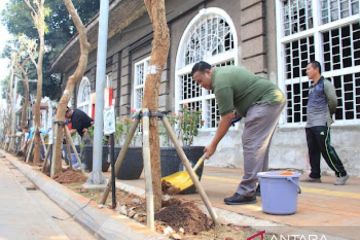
70, 176
167, 188
184, 215
175, 213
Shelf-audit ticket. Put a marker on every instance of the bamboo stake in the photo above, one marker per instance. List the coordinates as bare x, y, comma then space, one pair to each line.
53, 157
30, 149
150, 208
43, 144
189, 169
69, 140
120, 158
68, 151
46, 158
23, 145
112, 161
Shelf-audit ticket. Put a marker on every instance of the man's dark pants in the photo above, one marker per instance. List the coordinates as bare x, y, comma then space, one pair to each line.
319, 143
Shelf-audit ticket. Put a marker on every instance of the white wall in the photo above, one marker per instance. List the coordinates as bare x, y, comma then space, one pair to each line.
288, 149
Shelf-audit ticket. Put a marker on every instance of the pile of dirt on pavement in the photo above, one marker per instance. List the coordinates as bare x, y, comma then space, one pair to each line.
167, 188
180, 215
178, 219
185, 215
70, 176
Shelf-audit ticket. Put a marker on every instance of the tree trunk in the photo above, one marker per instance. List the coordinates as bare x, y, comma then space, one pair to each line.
159, 54
70, 85
10, 130
39, 22
26, 97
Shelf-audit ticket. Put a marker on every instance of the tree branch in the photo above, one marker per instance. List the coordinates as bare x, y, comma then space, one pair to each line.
148, 8
27, 2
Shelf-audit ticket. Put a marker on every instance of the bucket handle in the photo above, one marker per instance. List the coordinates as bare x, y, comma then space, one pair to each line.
296, 184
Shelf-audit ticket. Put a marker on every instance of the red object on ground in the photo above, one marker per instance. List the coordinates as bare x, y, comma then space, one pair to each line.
259, 234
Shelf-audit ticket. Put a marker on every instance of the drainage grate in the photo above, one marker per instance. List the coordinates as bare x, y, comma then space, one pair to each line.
31, 188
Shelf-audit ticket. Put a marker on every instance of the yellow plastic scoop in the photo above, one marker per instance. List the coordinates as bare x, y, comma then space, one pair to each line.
179, 181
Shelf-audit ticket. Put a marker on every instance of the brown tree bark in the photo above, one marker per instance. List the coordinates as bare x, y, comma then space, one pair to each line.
159, 55
26, 94
10, 130
70, 85
38, 16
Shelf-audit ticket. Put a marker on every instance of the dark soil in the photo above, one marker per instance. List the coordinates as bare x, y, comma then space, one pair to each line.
194, 225
175, 213
184, 215
130, 201
70, 176
167, 188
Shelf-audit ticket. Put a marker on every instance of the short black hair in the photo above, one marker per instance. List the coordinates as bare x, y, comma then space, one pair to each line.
200, 66
316, 64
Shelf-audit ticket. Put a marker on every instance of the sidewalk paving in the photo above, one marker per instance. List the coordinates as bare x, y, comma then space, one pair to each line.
26, 213
322, 207
103, 223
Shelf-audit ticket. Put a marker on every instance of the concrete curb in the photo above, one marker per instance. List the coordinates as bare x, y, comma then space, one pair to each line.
104, 223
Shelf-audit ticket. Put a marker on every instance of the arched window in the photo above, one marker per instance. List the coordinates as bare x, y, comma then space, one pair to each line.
83, 97
210, 37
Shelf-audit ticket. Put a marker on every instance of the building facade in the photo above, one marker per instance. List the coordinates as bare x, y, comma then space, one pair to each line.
274, 38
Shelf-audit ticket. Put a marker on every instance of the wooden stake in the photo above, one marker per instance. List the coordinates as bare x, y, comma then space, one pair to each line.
69, 140
112, 162
189, 169
150, 208
120, 158
30, 149
46, 158
68, 151
43, 144
55, 146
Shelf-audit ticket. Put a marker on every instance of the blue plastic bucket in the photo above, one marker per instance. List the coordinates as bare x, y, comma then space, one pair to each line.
279, 191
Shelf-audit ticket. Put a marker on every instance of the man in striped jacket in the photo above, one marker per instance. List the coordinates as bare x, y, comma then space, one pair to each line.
321, 106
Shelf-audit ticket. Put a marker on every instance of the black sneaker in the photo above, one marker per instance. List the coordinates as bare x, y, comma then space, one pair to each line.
257, 191
238, 199
312, 180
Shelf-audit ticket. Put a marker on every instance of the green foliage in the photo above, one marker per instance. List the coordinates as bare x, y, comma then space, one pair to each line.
17, 19
119, 129
5, 87
122, 129
59, 30
189, 123
91, 131
91, 135
164, 136
186, 124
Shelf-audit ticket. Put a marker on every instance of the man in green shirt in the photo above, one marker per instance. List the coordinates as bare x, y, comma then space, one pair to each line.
240, 93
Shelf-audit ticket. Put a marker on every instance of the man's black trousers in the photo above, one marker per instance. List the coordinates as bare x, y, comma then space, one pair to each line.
318, 141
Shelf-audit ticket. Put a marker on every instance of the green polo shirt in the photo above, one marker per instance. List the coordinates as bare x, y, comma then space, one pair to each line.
237, 89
